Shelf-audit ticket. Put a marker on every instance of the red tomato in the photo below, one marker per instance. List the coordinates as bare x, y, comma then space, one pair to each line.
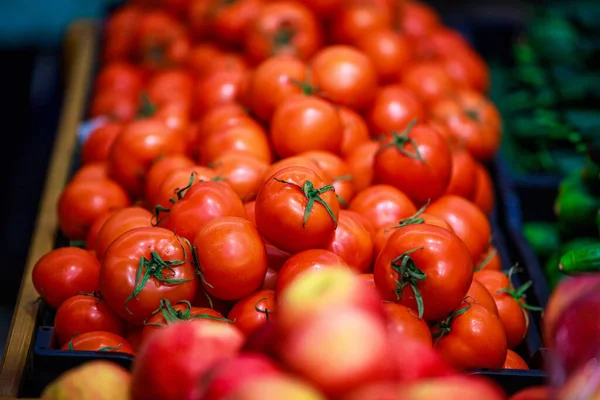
118, 223
228, 21
467, 221
345, 76
242, 171
315, 125
216, 89
219, 118
323, 8
514, 361
201, 203
249, 138
429, 80
270, 278
161, 41
484, 195
422, 151
251, 312
360, 161
355, 130
441, 41
64, 272
471, 337
335, 170
274, 80
175, 185
134, 336
81, 202
467, 69
464, 174
92, 236
122, 107
296, 211
406, 323
352, 242
92, 172
417, 19
99, 341
389, 51
119, 76
368, 278
119, 33
393, 110
296, 161
134, 150
282, 28
382, 205
480, 295
232, 257
308, 260
203, 53
143, 266
84, 313
173, 85
97, 145
426, 268
490, 260
159, 170
204, 300
357, 20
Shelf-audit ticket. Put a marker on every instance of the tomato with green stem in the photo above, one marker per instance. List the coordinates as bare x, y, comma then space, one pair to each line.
490, 260
98, 341
119, 222
251, 312
480, 295
352, 242
143, 266
296, 210
336, 170
406, 323
393, 109
296, 161
177, 183
382, 205
426, 268
161, 41
159, 170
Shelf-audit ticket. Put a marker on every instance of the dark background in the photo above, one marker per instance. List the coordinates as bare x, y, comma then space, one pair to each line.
31, 98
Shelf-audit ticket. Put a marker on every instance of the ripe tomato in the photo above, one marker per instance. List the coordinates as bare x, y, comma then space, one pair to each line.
483, 195
231, 256
119, 76
216, 89
323, 8
81, 202
134, 150
315, 125
203, 202
355, 131
417, 19
178, 182
422, 151
345, 75
473, 120
441, 41
92, 172
357, 20
352, 242
425, 268
514, 361
92, 236
296, 161
471, 337
270, 278
490, 260
249, 138
334, 170
296, 210
464, 174
97, 145
274, 80
382, 205
168, 86
242, 171
227, 21
368, 278
467, 221
429, 80
168, 314
134, 336
115, 106
403, 321
512, 308
480, 295
389, 51
161, 41
202, 53
467, 69
360, 162
219, 118
308, 260
63, 272
84, 313
119, 33
251, 312
393, 109
119, 222
99, 341
282, 28
143, 266
159, 170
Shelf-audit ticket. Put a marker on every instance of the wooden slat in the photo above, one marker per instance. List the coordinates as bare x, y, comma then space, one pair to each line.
79, 55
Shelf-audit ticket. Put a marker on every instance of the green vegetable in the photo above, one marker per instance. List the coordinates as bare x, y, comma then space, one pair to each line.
581, 260
553, 274
542, 237
576, 208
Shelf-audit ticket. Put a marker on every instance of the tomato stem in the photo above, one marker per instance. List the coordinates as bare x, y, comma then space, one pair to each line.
414, 219
400, 140
409, 275
518, 294
266, 311
445, 326
313, 195
77, 243
171, 315
108, 348
486, 260
147, 107
155, 220
343, 178
181, 192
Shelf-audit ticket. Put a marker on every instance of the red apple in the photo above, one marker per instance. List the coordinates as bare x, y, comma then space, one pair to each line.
338, 350
282, 387
584, 384
170, 363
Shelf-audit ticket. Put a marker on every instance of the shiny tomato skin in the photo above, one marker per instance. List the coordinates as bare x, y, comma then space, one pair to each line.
120, 268
159, 170
433, 166
514, 361
481, 295
93, 171
428, 80
81, 202
335, 170
393, 108
406, 323
302, 123
296, 161
63, 272
120, 33
202, 53
232, 257
382, 205
308, 260
467, 221
251, 312
417, 19
99, 341
352, 242
464, 174
467, 69
360, 161
356, 131
484, 195
227, 22
201, 203
92, 236
442, 257
97, 145
249, 138
390, 52
215, 90
357, 20
118, 223
85, 313
476, 339
242, 171
119, 76
171, 86
281, 207
115, 106
345, 76
176, 184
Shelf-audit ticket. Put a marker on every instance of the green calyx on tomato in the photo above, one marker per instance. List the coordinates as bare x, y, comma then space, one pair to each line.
518, 294
181, 192
444, 327
313, 195
399, 140
109, 348
283, 36
414, 219
266, 311
486, 260
147, 107
171, 315
409, 274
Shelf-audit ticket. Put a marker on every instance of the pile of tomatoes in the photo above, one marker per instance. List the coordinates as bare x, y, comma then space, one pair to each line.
243, 143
